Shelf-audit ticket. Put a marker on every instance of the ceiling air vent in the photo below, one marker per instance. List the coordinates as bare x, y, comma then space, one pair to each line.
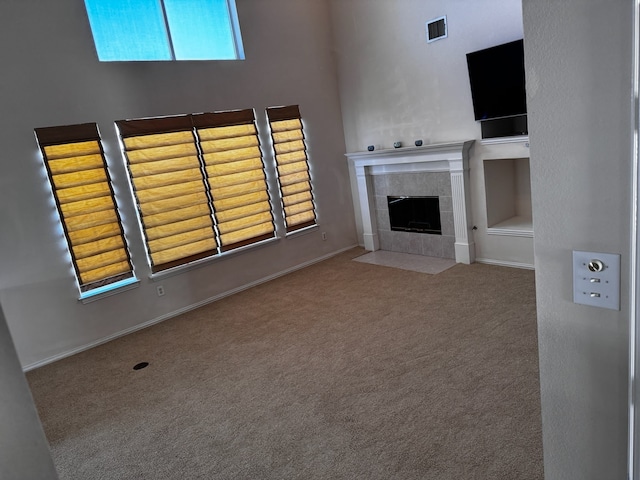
436, 29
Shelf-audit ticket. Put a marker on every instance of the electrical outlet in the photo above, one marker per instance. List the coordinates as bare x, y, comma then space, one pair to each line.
160, 290
324, 235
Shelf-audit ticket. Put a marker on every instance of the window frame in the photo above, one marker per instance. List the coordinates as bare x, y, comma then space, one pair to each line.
60, 136
164, 34
285, 114
138, 128
233, 118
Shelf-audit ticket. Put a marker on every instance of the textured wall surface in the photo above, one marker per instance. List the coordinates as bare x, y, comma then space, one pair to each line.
579, 100
24, 452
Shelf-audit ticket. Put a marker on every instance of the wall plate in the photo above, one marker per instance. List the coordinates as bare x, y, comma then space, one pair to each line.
596, 279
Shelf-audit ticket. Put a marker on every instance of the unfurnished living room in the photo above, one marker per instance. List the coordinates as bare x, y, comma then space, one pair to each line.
317, 239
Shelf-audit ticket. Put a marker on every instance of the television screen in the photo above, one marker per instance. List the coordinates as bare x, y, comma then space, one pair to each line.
497, 81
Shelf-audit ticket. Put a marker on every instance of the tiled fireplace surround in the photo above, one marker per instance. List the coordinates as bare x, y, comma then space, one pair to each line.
437, 184
432, 170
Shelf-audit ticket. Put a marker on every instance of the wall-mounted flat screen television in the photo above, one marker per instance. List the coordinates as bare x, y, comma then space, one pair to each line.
497, 81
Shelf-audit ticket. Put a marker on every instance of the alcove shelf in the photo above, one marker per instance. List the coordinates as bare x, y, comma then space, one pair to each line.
517, 226
508, 197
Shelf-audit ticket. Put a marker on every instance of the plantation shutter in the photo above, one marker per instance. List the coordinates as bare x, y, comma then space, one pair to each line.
293, 167
235, 173
169, 187
81, 186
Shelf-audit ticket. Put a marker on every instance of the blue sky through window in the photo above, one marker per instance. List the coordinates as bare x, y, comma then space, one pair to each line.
130, 30
202, 31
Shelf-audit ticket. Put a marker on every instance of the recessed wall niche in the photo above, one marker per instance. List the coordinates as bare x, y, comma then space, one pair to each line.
508, 196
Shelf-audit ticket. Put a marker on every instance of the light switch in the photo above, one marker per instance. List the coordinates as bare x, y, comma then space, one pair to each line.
596, 279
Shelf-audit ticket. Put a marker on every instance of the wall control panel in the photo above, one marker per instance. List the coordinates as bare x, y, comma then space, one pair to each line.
596, 279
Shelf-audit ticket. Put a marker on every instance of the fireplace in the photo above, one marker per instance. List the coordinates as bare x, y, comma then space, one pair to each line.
414, 214
431, 170
419, 218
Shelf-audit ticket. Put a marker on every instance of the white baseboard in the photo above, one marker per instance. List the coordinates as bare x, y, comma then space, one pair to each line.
180, 311
505, 263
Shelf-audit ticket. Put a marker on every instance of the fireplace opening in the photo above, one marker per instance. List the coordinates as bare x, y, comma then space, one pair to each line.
415, 214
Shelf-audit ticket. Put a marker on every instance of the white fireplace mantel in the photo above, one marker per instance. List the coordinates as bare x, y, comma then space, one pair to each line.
442, 157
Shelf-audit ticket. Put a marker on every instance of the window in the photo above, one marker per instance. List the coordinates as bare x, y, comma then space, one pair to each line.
129, 30
236, 179
293, 167
199, 183
84, 198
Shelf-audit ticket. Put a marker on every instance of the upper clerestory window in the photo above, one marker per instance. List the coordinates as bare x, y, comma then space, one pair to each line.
146, 30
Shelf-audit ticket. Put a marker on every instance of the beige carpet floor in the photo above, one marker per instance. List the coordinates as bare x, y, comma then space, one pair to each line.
342, 370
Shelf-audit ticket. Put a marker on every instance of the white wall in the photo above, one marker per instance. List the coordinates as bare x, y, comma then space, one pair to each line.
50, 76
579, 99
396, 87
24, 452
